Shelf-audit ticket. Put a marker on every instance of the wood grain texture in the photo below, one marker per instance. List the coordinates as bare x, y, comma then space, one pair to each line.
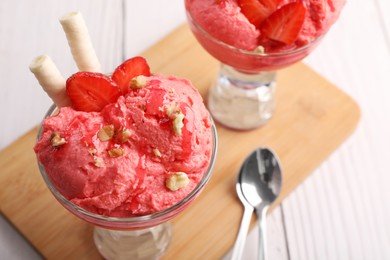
29, 29
342, 210
146, 23
276, 241
320, 117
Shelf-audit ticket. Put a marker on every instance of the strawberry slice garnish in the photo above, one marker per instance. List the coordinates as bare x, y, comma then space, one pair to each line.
285, 23
256, 11
129, 69
91, 91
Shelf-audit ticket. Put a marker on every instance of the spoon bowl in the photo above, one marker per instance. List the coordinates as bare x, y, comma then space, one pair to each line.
258, 185
260, 177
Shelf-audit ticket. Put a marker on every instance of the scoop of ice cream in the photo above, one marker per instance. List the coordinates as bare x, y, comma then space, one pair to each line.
116, 162
225, 21
320, 16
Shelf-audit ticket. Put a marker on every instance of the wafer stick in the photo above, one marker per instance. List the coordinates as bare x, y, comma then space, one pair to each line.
79, 42
51, 80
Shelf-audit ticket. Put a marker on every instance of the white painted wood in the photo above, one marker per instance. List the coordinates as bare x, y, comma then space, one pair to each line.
341, 211
31, 28
12, 244
383, 7
276, 240
146, 23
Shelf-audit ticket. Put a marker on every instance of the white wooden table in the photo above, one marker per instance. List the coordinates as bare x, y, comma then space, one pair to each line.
340, 212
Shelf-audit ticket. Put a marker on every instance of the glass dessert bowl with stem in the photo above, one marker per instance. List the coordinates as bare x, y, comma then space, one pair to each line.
242, 95
136, 237
125, 151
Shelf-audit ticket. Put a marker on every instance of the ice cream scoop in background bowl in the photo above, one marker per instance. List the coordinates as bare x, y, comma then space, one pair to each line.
242, 96
138, 237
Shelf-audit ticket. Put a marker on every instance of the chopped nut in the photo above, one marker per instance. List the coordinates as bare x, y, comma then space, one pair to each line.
106, 133
56, 140
177, 180
92, 151
178, 123
172, 110
124, 135
98, 161
138, 82
260, 49
115, 152
157, 152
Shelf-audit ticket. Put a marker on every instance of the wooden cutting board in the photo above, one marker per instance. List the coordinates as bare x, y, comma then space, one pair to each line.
313, 117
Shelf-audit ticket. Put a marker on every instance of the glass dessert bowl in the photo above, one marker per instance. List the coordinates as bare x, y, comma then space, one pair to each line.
242, 95
138, 237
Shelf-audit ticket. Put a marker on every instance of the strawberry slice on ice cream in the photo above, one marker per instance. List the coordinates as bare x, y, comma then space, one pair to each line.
285, 23
129, 69
258, 10
91, 91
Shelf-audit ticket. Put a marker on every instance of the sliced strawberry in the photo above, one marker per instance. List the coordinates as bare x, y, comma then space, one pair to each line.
91, 91
257, 10
285, 23
129, 69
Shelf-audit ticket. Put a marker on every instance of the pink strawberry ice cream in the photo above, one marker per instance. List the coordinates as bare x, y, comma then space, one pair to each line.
235, 34
224, 20
117, 162
321, 15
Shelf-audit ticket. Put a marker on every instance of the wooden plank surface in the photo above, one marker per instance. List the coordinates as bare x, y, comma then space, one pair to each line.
312, 119
342, 211
29, 29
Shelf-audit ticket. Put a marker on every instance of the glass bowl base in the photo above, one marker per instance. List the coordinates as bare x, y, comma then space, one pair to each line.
149, 243
242, 100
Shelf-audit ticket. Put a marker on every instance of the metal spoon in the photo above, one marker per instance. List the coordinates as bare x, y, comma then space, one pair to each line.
258, 185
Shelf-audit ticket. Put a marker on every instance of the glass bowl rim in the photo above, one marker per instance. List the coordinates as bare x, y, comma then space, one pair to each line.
135, 219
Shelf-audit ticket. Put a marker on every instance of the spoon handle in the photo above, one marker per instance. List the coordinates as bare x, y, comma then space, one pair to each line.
261, 213
242, 233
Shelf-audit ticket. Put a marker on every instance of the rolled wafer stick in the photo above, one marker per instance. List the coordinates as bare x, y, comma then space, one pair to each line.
51, 80
79, 42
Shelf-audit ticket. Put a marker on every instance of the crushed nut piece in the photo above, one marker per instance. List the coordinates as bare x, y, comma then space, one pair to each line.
92, 151
177, 180
115, 152
178, 123
173, 111
157, 152
260, 49
124, 135
138, 82
56, 140
106, 133
98, 161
